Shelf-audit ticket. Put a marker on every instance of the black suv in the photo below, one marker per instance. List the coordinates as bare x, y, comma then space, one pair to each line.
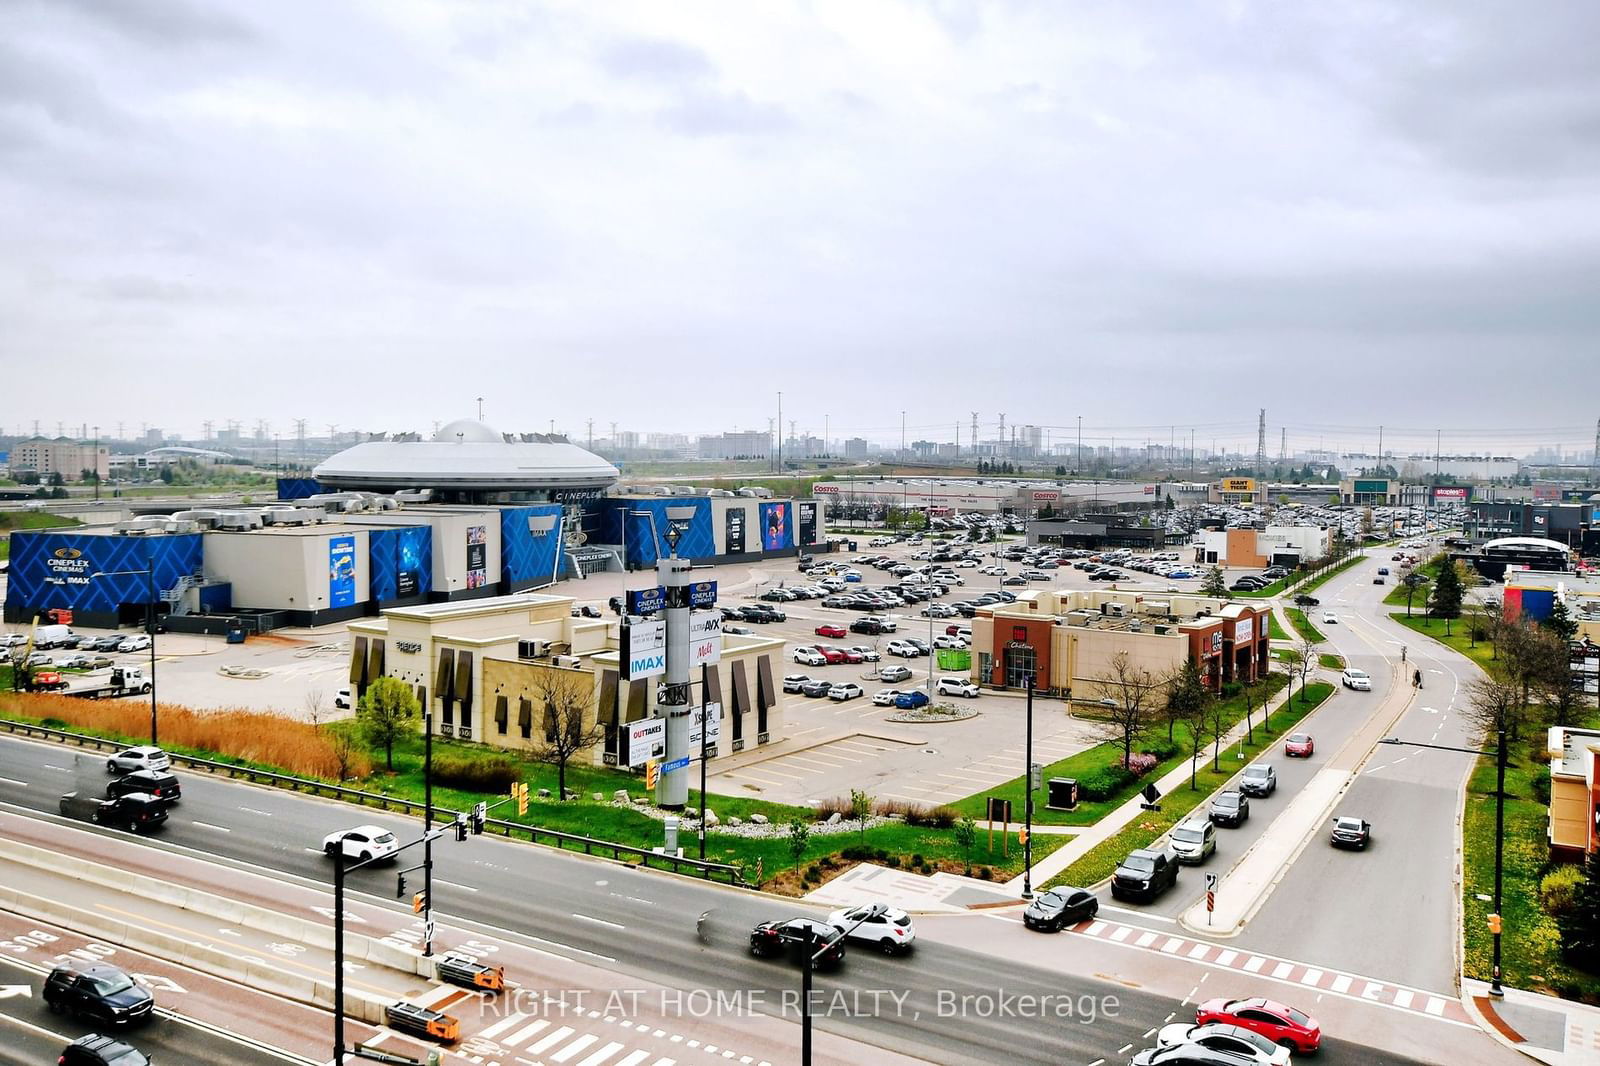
870, 626
137, 813
801, 940
1144, 875
98, 992
1230, 808
100, 1050
158, 784
1303, 600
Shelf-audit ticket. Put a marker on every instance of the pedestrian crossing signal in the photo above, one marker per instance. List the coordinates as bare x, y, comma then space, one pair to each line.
1022, 836
652, 774
521, 790
1494, 924
419, 902
461, 827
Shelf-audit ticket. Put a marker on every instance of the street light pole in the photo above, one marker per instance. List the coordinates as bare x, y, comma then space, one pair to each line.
427, 834
1027, 806
873, 911
705, 727
1499, 754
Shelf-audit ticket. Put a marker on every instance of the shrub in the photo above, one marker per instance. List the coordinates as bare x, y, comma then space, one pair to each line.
881, 855
495, 774
1103, 783
986, 873
894, 862
1141, 763
1540, 785
1558, 889
1230, 689
931, 817
856, 854
839, 805
813, 872
916, 860
1163, 749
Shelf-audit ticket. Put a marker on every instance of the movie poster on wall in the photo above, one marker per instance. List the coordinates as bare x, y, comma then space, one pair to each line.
774, 526
342, 571
733, 528
806, 523
477, 556
408, 566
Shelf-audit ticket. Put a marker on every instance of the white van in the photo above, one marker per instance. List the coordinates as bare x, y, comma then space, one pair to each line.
52, 636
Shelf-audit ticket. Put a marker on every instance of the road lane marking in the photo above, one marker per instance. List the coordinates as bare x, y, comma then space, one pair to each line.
501, 1026
550, 1041
1402, 998
1341, 984
1145, 940
218, 828
1199, 950
1226, 958
14, 781
453, 884
598, 921
1282, 970
574, 1048
1255, 963
1434, 1006
1311, 977
603, 1054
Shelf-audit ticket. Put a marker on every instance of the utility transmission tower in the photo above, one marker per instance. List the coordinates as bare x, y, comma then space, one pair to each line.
1001, 436
1261, 446
974, 432
300, 437
591, 435
1283, 445
206, 427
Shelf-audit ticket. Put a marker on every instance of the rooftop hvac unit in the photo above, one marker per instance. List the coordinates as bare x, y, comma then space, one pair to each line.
532, 649
237, 520
572, 661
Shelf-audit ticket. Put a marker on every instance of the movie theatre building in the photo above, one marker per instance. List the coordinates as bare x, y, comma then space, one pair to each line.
1068, 640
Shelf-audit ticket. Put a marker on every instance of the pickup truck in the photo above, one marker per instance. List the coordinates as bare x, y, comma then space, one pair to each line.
120, 681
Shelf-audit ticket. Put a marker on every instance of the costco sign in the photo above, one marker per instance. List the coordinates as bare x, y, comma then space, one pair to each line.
825, 490
1046, 495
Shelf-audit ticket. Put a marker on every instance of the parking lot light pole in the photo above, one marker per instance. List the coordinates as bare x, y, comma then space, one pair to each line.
1027, 806
874, 911
1499, 754
149, 573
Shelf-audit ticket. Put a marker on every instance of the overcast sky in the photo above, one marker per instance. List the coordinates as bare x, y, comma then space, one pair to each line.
660, 214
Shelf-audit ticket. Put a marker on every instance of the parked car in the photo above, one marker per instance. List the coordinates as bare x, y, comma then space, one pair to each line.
143, 757
72, 660
1235, 1039
98, 992
1275, 1021
157, 784
830, 629
848, 690
792, 682
137, 642
891, 931
868, 655
946, 641
894, 673
1359, 680
816, 687
1017, 580
1259, 779
810, 657
911, 699
871, 627
1299, 745
362, 843
1349, 832
1194, 840
1144, 875
98, 1050
106, 643
903, 648
1230, 808
885, 697
1052, 911
803, 941
833, 656
957, 686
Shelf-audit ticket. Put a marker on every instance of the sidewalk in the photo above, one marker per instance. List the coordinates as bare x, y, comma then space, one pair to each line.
1555, 1031
1114, 822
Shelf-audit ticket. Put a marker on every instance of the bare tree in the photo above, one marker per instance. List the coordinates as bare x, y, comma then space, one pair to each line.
570, 725
1308, 657
1130, 695
313, 705
1493, 704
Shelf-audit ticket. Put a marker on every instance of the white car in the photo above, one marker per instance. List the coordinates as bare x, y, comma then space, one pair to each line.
140, 642
957, 686
72, 660
894, 673
143, 757
847, 691
946, 641
868, 655
1357, 679
966, 564
362, 843
1329, 618
938, 610
792, 682
885, 697
810, 657
902, 648
1249, 1046
891, 932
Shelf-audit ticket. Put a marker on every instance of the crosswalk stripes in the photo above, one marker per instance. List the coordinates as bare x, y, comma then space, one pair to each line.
1411, 1000
519, 1035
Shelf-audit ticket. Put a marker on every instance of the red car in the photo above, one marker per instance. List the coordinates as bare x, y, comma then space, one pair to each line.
828, 629
1278, 1023
1299, 744
850, 655
833, 655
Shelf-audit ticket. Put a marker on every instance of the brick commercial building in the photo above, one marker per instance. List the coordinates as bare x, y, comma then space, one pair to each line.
69, 458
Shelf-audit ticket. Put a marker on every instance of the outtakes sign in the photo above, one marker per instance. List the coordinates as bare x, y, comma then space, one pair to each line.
647, 739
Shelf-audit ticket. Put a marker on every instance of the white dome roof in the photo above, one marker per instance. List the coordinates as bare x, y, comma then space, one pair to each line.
468, 431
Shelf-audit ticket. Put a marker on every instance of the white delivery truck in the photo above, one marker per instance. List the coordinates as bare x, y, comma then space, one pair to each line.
118, 681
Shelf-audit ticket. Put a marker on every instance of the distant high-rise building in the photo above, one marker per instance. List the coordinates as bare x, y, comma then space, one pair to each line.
855, 448
746, 444
69, 458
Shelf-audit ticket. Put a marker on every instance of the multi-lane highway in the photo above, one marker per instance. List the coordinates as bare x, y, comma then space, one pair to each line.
943, 1004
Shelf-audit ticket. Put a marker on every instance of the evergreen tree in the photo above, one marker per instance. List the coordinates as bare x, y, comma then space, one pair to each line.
1580, 925
1559, 621
1216, 585
1446, 599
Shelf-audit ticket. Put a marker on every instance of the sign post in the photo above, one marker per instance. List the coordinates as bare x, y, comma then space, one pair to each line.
1211, 896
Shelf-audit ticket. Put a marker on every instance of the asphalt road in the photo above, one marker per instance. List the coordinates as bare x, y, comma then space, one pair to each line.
31, 1034
1388, 912
949, 1010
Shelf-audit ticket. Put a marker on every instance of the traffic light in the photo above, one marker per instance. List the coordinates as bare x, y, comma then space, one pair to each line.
522, 797
1022, 836
419, 902
480, 811
652, 774
1494, 924
461, 827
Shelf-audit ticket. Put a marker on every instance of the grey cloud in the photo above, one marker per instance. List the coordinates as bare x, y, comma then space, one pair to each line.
719, 114
155, 23
655, 59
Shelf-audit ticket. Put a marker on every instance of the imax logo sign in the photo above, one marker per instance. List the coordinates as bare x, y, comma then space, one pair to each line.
647, 665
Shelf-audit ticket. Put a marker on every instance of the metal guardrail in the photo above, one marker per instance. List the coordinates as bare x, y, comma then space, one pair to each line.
627, 853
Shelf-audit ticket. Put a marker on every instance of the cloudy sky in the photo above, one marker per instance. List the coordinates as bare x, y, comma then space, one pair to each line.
1150, 215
